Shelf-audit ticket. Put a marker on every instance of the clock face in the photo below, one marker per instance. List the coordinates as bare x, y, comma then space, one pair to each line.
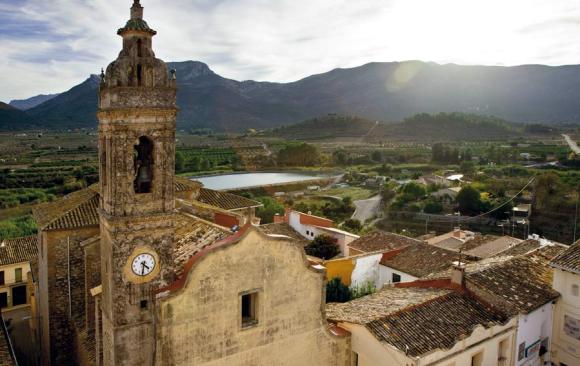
143, 264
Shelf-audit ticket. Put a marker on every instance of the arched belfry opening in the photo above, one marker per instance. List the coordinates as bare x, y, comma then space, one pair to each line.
139, 75
143, 165
139, 48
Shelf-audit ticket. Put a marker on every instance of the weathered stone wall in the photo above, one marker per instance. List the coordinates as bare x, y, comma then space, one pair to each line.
58, 248
128, 336
200, 324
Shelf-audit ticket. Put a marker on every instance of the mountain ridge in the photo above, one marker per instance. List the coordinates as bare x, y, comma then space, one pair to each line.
383, 91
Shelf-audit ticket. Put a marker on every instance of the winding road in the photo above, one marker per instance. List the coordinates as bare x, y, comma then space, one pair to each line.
573, 145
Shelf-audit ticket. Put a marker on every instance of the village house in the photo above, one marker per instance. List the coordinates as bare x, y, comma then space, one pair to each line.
380, 241
15, 257
310, 226
566, 330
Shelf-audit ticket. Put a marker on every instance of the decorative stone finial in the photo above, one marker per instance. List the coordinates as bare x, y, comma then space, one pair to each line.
102, 75
136, 10
173, 76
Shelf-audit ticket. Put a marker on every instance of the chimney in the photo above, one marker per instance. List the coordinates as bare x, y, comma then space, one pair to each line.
457, 232
458, 273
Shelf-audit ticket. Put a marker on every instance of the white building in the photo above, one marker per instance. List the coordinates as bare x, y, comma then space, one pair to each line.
566, 331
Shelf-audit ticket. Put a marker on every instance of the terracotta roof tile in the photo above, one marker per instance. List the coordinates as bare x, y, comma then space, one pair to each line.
382, 303
224, 200
436, 324
421, 260
523, 283
193, 234
6, 355
570, 259
18, 250
492, 246
184, 185
76, 209
380, 240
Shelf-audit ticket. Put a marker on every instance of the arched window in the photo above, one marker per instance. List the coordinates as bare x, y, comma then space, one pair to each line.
139, 75
143, 165
139, 48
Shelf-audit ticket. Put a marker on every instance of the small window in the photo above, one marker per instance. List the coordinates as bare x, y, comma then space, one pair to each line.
575, 290
139, 75
3, 300
18, 295
354, 359
143, 304
1, 277
396, 278
249, 308
477, 359
308, 232
312, 234
18, 275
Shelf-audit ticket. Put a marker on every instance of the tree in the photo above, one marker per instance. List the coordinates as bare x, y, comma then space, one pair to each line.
340, 157
412, 191
270, 208
467, 167
469, 200
336, 291
323, 246
377, 156
299, 155
179, 162
433, 207
352, 225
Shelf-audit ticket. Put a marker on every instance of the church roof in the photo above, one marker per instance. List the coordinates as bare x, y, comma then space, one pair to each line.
224, 200
193, 234
18, 250
136, 25
80, 208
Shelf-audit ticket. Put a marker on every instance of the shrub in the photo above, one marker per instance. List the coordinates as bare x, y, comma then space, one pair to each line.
323, 246
336, 291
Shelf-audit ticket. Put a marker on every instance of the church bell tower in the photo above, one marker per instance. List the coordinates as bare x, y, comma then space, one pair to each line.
137, 112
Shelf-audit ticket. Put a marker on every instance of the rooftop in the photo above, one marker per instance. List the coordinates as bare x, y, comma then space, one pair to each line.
193, 234
420, 260
380, 304
492, 247
569, 260
380, 240
523, 283
18, 250
80, 208
224, 200
436, 324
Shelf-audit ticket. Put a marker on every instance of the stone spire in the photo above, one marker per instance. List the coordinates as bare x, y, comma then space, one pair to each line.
136, 10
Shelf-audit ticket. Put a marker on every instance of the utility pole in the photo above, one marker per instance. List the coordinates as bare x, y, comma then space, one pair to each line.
576, 215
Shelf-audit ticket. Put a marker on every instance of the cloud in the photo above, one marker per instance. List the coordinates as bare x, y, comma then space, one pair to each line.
49, 46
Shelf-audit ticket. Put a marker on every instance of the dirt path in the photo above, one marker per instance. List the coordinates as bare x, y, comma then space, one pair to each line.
573, 145
366, 209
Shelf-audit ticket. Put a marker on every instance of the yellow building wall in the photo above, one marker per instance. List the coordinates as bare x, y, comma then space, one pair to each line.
341, 268
10, 279
200, 324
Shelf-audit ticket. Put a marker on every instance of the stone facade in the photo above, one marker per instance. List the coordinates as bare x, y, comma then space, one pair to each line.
137, 111
61, 264
200, 323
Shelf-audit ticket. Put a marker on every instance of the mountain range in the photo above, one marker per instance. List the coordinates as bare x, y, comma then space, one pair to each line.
387, 91
25, 104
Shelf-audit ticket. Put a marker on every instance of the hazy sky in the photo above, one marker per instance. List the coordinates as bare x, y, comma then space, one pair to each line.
51, 45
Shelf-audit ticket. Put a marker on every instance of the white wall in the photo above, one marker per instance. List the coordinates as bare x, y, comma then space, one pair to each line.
532, 328
371, 352
386, 275
567, 349
366, 269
